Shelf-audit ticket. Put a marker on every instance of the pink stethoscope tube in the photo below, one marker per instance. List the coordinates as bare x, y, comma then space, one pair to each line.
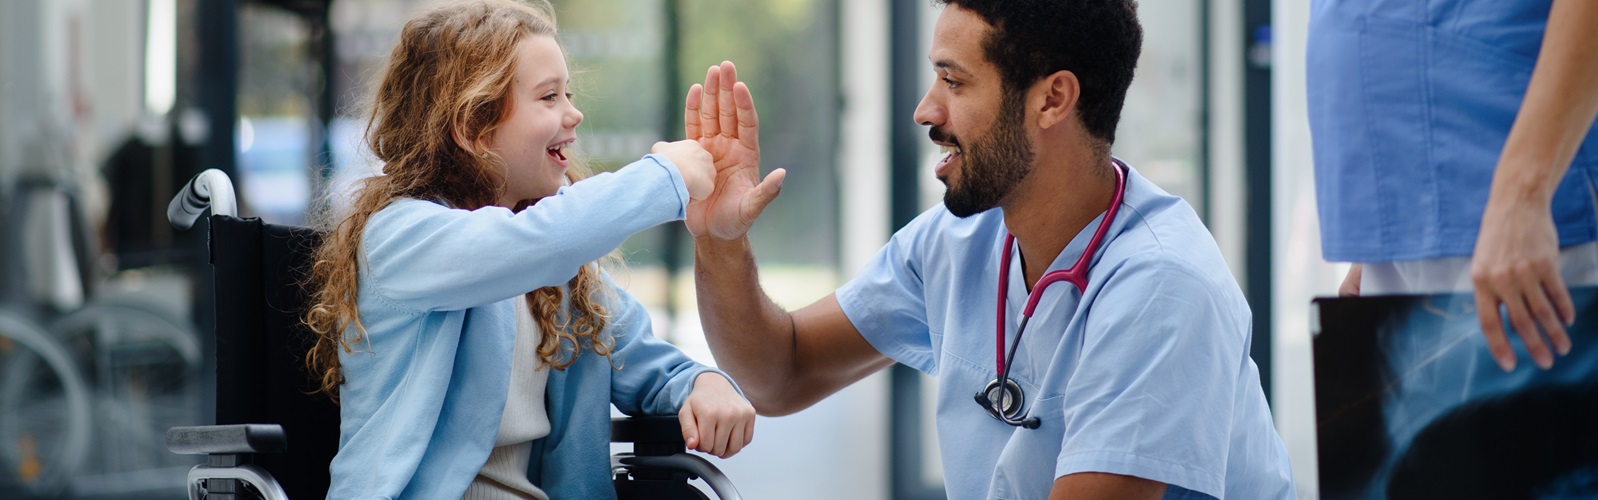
1077, 275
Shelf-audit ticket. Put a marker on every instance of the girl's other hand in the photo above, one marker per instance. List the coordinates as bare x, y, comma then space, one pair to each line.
695, 164
715, 419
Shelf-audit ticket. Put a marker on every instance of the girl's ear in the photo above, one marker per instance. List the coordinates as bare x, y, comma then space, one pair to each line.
465, 144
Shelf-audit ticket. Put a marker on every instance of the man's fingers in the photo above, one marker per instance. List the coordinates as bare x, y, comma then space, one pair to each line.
708, 119
770, 187
748, 120
690, 114
728, 111
1492, 328
763, 194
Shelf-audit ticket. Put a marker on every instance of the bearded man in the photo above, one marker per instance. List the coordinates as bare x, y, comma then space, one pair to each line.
1133, 377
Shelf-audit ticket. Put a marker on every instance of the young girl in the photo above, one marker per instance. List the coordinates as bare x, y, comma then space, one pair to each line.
464, 280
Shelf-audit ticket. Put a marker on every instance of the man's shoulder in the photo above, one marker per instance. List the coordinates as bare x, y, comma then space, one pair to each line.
1177, 262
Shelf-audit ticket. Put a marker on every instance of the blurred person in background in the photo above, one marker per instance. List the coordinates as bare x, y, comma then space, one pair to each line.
1453, 149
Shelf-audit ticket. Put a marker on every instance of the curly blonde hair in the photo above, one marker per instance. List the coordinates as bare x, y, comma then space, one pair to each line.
450, 72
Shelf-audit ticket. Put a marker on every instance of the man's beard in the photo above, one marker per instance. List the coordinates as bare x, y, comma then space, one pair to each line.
990, 168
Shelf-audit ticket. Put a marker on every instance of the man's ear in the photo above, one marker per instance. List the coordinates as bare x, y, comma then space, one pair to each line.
1059, 92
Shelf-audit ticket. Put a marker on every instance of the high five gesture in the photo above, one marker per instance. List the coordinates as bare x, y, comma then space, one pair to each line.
721, 116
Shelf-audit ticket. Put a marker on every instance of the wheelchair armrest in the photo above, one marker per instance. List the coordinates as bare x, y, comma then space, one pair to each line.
659, 451
650, 435
226, 439
229, 449
695, 466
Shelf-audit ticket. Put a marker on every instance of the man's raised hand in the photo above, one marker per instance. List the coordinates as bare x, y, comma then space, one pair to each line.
721, 116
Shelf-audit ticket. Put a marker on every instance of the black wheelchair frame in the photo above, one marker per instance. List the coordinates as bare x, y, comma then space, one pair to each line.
263, 394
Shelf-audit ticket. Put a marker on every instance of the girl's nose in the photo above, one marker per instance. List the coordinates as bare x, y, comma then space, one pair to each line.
573, 118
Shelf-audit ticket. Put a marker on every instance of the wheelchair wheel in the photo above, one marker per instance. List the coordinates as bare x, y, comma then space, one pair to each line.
145, 370
45, 415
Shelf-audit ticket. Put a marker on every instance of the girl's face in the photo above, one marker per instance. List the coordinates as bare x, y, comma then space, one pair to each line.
541, 124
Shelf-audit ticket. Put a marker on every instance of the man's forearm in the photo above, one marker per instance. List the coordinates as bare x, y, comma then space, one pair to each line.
750, 336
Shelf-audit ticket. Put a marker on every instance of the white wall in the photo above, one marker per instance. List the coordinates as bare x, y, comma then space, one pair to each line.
1228, 195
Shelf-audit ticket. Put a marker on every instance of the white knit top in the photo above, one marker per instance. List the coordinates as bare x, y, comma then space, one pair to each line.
504, 476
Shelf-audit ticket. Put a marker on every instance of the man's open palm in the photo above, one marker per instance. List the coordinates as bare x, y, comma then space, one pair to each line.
721, 116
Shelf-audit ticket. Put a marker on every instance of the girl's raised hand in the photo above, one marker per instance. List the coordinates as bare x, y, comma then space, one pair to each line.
716, 419
695, 164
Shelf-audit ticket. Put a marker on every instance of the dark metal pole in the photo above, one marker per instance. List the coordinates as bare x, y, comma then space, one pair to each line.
323, 42
217, 80
217, 88
671, 126
905, 411
1257, 171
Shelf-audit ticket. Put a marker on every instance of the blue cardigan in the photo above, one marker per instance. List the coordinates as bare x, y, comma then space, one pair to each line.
424, 392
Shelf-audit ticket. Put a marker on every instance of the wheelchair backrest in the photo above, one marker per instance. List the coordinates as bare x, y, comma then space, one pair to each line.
261, 345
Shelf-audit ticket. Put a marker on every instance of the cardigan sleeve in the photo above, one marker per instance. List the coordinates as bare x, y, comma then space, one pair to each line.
422, 255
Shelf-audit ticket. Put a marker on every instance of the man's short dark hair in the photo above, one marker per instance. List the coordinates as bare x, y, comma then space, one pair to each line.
1097, 40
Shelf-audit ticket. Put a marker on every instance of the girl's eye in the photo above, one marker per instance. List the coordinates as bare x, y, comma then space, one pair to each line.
569, 96
551, 96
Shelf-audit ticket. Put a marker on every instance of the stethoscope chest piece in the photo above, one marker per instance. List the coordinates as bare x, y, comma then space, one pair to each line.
1006, 399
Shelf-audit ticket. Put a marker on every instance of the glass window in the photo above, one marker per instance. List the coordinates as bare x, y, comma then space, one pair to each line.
1161, 133
277, 127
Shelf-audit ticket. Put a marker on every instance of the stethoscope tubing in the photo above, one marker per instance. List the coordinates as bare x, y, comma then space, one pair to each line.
1077, 275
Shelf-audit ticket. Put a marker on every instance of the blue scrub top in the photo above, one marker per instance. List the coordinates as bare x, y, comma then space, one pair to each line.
1147, 374
1410, 104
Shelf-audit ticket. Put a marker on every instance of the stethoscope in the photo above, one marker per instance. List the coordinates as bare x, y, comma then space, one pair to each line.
1003, 398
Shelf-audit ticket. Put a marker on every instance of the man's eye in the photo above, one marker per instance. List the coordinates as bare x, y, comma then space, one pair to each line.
950, 82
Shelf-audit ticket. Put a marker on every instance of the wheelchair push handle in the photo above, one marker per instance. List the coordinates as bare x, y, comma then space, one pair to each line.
209, 189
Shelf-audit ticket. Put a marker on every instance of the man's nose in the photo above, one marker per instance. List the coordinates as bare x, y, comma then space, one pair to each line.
929, 111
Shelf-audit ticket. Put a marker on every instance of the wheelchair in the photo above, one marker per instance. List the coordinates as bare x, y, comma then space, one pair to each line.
263, 394
90, 376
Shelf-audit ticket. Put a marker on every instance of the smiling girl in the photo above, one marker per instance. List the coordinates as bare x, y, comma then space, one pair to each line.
465, 326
